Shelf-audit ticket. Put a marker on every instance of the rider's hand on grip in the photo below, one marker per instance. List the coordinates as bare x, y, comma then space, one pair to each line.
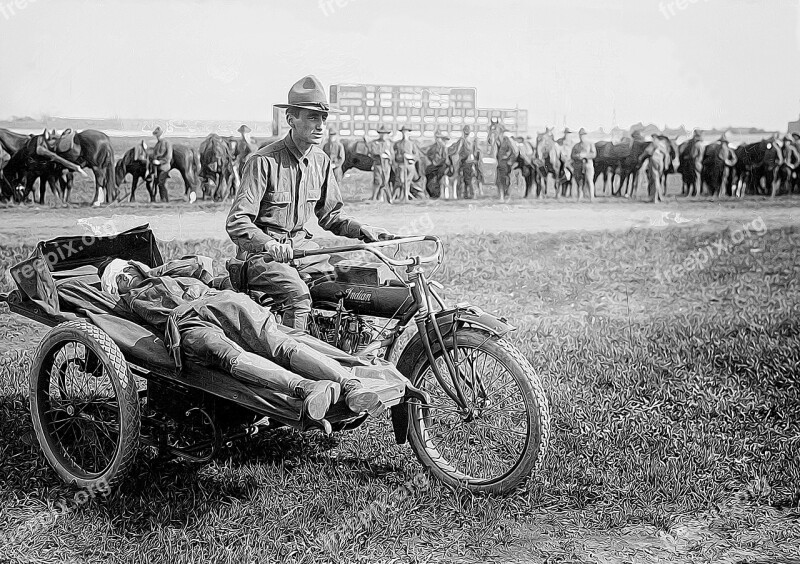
281, 252
372, 234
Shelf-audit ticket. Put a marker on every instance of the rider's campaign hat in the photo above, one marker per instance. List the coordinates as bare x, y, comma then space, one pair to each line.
405, 128
158, 131
383, 129
308, 94
243, 129
440, 135
582, 131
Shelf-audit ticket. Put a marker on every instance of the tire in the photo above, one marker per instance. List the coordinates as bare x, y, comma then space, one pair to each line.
455, 462
86, 418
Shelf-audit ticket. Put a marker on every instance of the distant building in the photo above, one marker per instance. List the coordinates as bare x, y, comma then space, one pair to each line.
794, 126
425, 109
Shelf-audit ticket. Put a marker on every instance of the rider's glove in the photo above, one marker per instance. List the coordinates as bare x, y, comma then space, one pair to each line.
371, 234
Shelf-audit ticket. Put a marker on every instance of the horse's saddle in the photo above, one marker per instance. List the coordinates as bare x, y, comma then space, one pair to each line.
66, 141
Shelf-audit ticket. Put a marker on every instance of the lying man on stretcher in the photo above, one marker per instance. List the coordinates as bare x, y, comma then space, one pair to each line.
227, 330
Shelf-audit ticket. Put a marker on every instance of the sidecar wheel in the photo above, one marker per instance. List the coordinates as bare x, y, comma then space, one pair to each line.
501, 437
84, 405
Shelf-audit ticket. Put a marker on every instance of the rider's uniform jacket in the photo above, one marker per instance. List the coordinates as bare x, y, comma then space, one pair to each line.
281, 189
405, 150
162, 152
380, 151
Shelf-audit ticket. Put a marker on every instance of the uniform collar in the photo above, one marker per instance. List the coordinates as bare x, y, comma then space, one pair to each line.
293, 148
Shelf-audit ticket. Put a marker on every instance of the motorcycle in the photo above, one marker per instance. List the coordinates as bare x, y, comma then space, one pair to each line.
487, 425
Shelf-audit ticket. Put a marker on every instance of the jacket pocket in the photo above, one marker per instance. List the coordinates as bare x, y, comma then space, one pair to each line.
277, 209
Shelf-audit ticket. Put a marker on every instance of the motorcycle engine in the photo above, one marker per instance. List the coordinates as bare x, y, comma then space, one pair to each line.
342, 329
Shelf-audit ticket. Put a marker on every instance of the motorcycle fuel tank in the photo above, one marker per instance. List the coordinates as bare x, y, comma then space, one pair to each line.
388, 301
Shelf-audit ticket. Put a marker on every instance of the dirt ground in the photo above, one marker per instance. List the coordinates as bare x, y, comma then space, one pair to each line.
200, 221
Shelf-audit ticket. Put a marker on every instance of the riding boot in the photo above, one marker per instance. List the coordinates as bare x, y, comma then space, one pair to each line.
317, 396
314, 365
359, 400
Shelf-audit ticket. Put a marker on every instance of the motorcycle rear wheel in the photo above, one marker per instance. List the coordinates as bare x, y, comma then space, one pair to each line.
501, 437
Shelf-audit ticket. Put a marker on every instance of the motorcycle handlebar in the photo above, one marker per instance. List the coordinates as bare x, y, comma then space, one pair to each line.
373, 248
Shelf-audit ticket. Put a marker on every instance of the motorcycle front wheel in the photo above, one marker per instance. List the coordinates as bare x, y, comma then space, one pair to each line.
499, 438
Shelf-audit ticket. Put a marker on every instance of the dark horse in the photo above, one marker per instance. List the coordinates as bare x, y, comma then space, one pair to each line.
754, 162
216, 167
91, 148
10, 143
136, 162
34, 160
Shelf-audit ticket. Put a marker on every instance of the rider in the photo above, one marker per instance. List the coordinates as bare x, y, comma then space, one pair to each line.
283, 185
162, 163
406, 155
381, 152
227, 330
335, 151
469, 164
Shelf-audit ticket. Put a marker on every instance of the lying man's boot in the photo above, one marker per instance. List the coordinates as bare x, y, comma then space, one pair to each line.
359, 399
317, 397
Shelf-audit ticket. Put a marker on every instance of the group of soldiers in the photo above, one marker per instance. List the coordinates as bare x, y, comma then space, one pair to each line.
453, 170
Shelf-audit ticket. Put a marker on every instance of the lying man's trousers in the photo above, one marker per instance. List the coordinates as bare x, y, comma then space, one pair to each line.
227, 330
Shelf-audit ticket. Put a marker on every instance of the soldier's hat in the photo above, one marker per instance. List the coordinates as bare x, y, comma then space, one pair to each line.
405, 128
582, 131
724, 136
308, 94
243, 129
567, 131
383, 129
158, 131
796, 135
467, 129
697, 134
440, 135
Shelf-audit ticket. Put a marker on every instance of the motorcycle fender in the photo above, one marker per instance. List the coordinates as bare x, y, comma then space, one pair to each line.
414, 350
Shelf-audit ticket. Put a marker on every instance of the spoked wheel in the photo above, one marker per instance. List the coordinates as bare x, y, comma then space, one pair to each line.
84, 405
499, 437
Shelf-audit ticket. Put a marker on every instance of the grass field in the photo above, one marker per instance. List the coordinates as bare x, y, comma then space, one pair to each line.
675, 406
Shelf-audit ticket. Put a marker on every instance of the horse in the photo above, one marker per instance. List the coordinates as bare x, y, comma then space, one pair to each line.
37, 160
754, 162
718, 161
216, 167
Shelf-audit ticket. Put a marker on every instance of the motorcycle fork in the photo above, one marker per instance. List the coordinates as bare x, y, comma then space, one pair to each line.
425, 319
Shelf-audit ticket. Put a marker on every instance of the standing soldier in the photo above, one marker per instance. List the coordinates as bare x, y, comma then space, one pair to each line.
437, 167
791, 160
565, 145
335, 151
162, 163
583, 154
241, 151
469, 164
406, 154
381, 152
283, 186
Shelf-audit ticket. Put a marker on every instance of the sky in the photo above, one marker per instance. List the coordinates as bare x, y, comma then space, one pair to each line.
582, 63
